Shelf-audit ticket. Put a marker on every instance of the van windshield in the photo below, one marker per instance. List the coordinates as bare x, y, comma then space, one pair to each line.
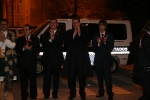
118, 30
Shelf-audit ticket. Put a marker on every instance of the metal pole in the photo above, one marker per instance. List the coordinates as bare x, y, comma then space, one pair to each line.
12, 12
75, 6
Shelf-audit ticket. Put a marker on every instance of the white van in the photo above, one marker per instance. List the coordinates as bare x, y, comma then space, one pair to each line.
121, 29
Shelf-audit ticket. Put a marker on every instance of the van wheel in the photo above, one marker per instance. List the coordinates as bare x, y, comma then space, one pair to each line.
39, 69
114, 66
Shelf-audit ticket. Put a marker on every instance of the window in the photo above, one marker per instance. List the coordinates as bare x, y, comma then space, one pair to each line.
91, 27
118, 30
62, 27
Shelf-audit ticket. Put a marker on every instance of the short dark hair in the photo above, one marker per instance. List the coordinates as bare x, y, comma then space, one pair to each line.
53, 19
5, 20
103, 22
76, 18
30, 27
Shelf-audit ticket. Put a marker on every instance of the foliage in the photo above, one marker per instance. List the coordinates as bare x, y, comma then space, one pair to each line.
137, 11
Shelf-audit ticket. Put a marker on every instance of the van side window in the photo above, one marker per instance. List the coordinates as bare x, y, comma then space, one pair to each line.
92, 28
118, 30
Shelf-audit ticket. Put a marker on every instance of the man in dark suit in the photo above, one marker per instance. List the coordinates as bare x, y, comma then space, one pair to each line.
52, 58
103, 44
77, 61
27, 47
142, 62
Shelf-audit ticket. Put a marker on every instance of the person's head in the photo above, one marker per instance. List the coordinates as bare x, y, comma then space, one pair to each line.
102, 25
4, 25
27, 29
76, 22
53, 24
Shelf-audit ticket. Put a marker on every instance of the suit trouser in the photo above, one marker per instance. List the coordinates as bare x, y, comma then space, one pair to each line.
25, 75
145, 82
72, 84
104, 72
51, 69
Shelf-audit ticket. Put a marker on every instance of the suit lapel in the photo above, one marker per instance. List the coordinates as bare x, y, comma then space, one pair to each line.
31, 38
24, 40
106, 34
56, 34
98, 35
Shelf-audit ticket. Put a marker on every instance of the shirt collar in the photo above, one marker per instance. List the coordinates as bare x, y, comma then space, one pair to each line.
54, 31
102, 33
28, 37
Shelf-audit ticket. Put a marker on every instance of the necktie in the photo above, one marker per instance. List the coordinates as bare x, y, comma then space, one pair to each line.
27, 40
102, 37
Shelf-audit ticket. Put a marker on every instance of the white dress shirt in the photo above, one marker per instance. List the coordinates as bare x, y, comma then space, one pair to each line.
28, 41
101, 37
7, 43
54, 37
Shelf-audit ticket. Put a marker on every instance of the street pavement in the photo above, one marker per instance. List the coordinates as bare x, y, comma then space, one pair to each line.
123, 87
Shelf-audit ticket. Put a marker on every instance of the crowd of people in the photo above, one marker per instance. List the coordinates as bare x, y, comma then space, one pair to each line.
77, 62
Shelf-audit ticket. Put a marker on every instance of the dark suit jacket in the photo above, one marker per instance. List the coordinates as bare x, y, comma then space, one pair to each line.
103, 52
141, 56
52, 50
77, 57
27, 58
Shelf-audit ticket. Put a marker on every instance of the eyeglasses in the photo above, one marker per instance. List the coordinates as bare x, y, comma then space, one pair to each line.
26, 29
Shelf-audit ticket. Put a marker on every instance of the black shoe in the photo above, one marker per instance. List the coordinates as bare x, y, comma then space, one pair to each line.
99, 95
55, 97
46, 98
110, 97
71, 97
33, 99
23, 99
83, 98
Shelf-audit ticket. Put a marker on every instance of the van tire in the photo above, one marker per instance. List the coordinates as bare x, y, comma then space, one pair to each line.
114, 66
39, 69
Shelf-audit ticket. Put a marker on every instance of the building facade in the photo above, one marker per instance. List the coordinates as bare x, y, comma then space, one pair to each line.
20, 12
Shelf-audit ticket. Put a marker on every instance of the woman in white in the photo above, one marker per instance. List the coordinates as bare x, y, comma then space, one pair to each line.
7, 59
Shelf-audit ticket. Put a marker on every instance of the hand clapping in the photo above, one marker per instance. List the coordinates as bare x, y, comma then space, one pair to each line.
98, 40
2, 36
27, 47
105, 39
76, 31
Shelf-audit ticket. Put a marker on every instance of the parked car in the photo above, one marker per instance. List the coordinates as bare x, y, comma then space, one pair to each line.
121, 30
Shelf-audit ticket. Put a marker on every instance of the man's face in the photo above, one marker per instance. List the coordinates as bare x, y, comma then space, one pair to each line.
3, 26
53, 24
102, 27
27, 31
76, 23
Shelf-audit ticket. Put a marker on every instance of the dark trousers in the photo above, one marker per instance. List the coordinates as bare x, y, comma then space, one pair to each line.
104, 73
72, 84
28, 74
51, 70
145, 82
